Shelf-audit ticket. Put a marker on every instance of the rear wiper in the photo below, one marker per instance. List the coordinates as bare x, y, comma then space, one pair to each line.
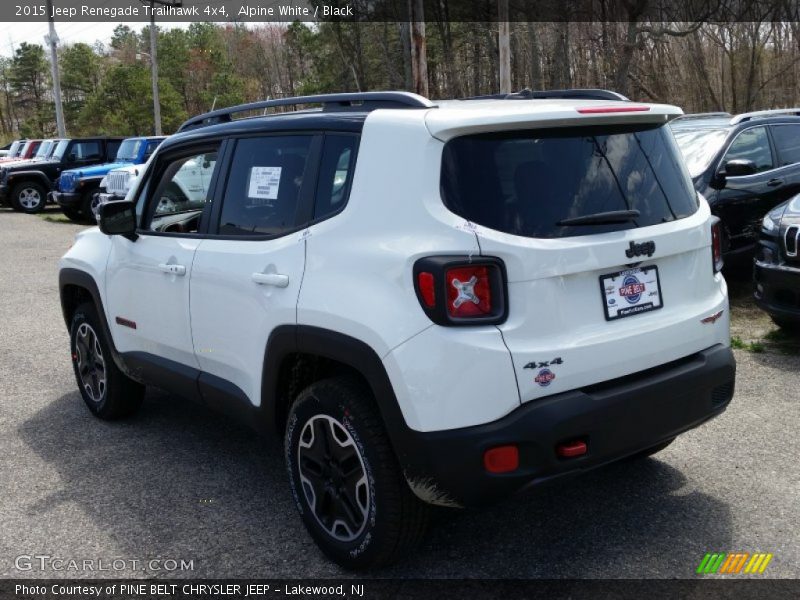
604, 218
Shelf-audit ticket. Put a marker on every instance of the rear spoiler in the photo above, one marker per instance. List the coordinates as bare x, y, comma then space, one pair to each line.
449, 122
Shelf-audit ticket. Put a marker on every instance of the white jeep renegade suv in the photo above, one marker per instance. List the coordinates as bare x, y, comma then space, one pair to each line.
433, 303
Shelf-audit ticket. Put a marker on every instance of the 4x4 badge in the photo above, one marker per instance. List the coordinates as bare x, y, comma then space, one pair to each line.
543, 364
645, 248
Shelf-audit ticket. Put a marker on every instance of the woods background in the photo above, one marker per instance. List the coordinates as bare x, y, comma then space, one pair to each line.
734, 66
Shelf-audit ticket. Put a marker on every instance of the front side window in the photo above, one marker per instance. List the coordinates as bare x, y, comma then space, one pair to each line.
528, 183
787, 143
753, 145
263, 190
151, 147
181, 192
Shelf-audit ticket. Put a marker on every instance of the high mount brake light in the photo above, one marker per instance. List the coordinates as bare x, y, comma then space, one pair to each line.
459, 290
716, 246
595, 110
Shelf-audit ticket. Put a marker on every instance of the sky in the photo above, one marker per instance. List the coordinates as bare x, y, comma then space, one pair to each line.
13, 34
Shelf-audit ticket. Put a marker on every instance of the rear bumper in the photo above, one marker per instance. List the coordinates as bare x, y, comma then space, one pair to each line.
777, 290
68, 199
615, 419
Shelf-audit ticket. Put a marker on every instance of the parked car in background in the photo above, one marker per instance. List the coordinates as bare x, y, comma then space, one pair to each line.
744, 166
777, 265
13, 151
4, 151
26, 150
77, 189
25, 186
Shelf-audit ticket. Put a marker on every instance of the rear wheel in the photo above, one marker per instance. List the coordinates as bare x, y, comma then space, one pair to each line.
29, 197
106, 390
345, 479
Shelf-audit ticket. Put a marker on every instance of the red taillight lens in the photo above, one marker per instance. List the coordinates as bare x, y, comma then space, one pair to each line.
427, 289
469, 292
502, 459
571, 449
716, 246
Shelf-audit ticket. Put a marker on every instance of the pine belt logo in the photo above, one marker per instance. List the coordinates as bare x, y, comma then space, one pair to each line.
718, 563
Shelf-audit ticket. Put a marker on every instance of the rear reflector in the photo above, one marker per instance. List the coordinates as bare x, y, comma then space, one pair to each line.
594, 110
571, 449
502, 459
427, 289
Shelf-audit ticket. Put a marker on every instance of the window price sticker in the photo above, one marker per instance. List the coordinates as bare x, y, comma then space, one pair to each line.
264, 183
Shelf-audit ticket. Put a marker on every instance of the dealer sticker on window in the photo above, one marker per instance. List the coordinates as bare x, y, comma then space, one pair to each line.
631, 292
264, 182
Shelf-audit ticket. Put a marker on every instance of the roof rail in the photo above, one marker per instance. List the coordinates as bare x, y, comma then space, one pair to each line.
707, 115
360, 101
759, 114
576, 94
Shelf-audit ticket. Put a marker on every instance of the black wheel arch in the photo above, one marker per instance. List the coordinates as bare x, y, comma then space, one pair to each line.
39, 177
351, 355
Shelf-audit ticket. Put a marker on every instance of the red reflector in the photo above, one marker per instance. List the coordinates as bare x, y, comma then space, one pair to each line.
571, 449
502, 459
593, 110
427, 289
469, 293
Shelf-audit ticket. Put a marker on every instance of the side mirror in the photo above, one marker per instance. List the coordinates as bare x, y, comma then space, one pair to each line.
738, 167
118, 218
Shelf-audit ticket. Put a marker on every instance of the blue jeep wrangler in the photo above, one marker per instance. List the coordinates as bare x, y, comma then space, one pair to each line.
76, 188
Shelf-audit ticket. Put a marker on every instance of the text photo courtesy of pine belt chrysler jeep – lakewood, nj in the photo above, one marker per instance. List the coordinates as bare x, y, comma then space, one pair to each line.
536, 292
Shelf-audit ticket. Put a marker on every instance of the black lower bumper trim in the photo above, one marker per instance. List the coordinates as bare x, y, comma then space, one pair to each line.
615, 419
68, 199
777, 291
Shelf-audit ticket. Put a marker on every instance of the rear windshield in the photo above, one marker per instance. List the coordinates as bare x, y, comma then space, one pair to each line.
525, 183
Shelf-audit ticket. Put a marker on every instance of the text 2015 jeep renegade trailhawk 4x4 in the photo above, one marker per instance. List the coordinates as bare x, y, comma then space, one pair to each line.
432, 303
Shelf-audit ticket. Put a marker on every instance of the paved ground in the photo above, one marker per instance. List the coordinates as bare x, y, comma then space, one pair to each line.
177, 482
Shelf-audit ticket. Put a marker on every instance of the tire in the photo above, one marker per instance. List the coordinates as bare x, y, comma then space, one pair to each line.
369, 518
29, 197
106, 390
87, 206
651, 451
72, 213
791, 327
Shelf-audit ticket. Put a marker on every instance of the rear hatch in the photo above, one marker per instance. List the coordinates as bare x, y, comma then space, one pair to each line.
605, 243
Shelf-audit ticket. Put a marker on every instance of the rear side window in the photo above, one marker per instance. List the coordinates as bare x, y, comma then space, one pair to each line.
335, 174
525, 183
787, 142
85, 151
263, 189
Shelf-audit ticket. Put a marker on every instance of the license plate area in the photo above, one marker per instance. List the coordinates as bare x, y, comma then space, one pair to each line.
630, 292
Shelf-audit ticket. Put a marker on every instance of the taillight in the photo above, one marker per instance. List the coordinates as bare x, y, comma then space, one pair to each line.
716, 245
459, 290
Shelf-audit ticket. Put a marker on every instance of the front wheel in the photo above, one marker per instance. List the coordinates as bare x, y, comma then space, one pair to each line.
105, 389
72, 213
29, 197
345, 479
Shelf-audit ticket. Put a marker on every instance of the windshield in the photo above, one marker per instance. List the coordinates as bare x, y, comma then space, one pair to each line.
530, 183
58, 153
15, 148
699, 146
44, 149
129, 150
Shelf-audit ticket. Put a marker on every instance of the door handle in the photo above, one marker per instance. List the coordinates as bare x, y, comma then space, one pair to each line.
275, 279
172, 269
775, 182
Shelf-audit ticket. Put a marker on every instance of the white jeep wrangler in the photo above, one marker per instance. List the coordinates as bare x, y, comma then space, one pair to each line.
432, 303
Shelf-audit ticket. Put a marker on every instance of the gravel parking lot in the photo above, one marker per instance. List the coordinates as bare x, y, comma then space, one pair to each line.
178, 482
